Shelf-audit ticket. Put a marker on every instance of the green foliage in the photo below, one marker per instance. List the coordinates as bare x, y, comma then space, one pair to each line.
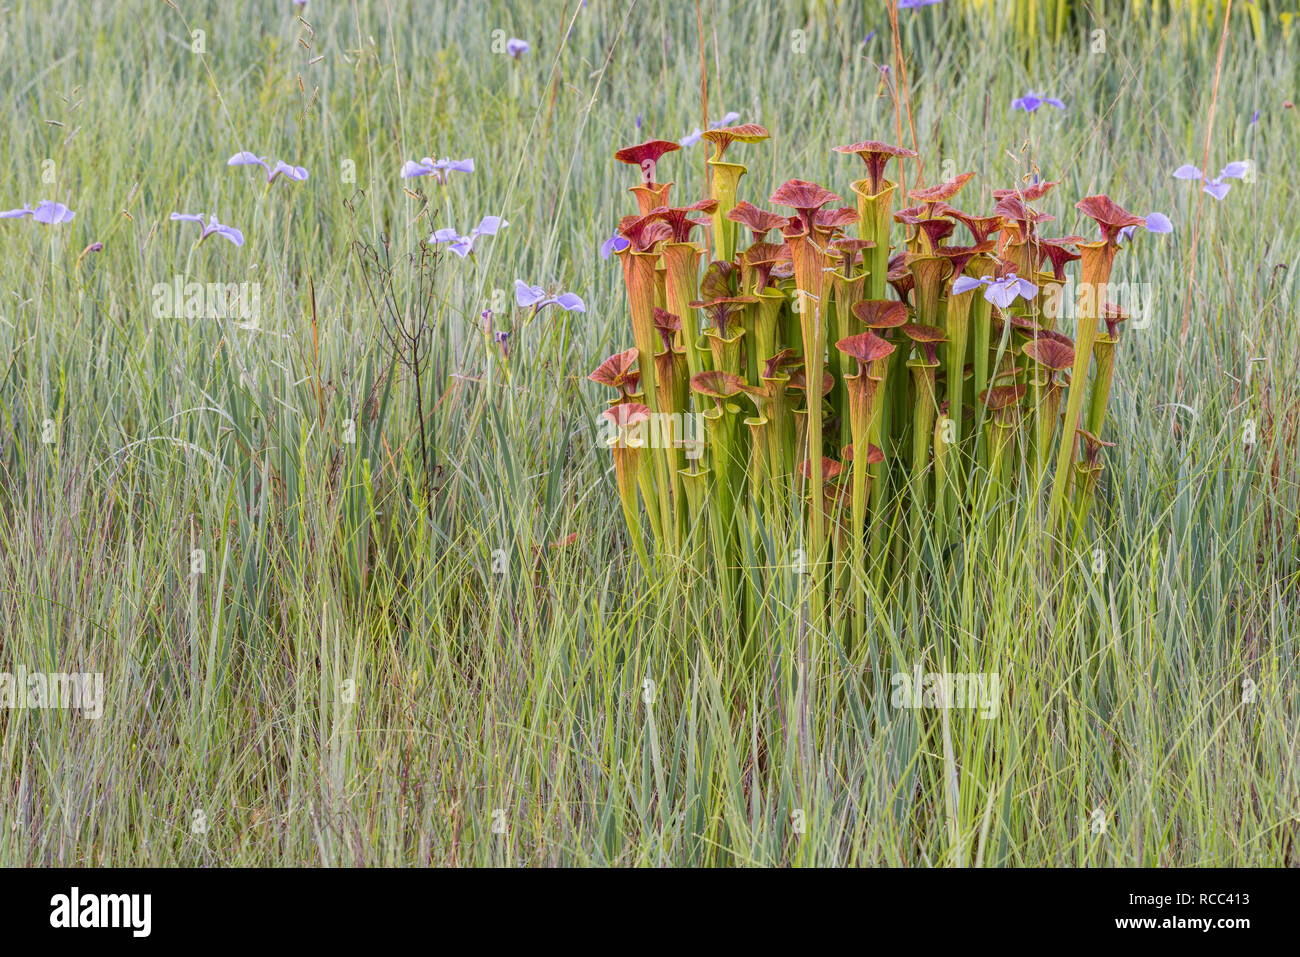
365, 675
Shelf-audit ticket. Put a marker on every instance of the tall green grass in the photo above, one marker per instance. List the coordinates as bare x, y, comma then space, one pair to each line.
363, 676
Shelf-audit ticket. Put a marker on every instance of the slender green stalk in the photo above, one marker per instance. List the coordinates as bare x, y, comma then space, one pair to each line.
923, 413
932, 309
1095, 264
874, 221
1103, 351
1047, 412
810, 263
627, 472
725, 178
681, 264
640, 280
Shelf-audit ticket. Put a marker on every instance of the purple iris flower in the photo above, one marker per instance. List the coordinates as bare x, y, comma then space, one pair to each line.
1215, 187
47, 213
536, 297
1255, 117
1032, 101
245, 158
438, 169
693, 137
615, 244
95, 247
1001, 292
871, 35
1156, 223
210, 228
463, 246
914, 4
516, 47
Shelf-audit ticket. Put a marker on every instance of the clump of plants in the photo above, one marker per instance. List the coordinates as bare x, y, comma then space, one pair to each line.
871, 373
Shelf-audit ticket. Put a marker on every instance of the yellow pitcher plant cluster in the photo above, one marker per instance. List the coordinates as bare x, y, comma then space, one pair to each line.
860, 401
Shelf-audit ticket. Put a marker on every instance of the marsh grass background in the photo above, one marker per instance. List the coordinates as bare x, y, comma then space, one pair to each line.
231, 734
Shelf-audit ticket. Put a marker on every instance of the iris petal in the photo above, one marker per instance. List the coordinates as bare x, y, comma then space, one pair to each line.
1000, 296
51, 213
570, 302
526, 295
211, 227
615, 244
1024, 288
488, 225
293, 172
1159, 223
245, 158
230, 233
1217, 189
